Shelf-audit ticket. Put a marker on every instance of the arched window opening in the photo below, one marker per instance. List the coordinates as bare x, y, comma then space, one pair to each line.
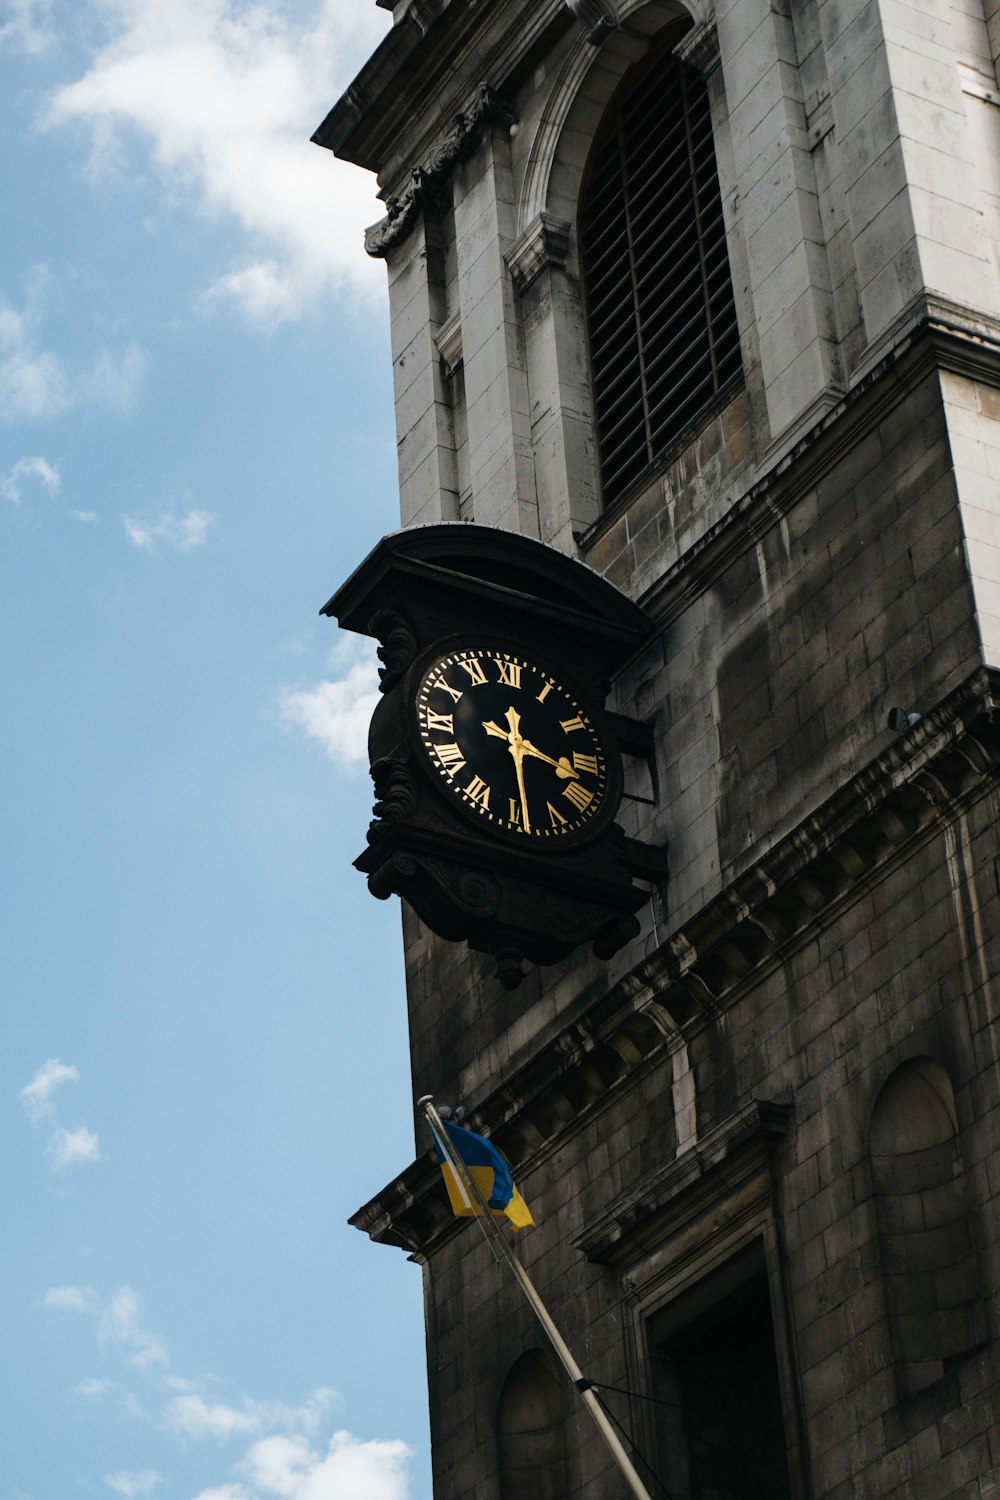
925, 1231
530, 1432
661, 321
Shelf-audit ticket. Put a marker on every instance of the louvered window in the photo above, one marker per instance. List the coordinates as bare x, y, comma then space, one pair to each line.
660, 314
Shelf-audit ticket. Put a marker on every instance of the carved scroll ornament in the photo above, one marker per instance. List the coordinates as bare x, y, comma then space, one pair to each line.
429, 184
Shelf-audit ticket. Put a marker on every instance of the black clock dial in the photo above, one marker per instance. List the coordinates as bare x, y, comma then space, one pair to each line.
514, 745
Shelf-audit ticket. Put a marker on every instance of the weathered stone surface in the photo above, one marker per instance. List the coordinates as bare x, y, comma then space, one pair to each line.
823, 545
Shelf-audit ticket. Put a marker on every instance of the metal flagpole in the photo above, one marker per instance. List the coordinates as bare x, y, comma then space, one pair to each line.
471, 1195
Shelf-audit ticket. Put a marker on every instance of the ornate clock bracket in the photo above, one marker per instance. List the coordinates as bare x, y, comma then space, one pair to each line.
507, 886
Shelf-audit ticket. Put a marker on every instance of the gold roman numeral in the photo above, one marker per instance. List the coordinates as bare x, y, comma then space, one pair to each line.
546, 690
510, 672
579, 795
474, 667
477, 791
445, 722
585, 763
455, 694
514, 816
450, 756
570, 724
555, 816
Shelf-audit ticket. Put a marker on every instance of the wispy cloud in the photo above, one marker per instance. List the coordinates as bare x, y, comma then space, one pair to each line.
191, 1416
182, 533
70, 1298
336, 712
33, 471
122, 1324
68, 1148
133, 1482
27, 26
226, 94
37, 383
36, 1096
194, 1417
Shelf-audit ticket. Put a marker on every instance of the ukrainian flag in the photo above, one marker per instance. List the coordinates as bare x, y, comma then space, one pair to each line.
491, 1173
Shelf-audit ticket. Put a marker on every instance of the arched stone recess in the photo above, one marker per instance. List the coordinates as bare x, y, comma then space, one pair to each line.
531, 1432
543, 261
926, 1238
581, 93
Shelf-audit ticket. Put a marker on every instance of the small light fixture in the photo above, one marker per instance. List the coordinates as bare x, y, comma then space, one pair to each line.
899, 720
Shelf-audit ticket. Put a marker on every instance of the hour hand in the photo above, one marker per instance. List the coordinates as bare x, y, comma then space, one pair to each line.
492, 727
563, 769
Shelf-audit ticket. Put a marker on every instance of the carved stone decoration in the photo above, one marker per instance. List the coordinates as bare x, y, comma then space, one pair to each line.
599, 17
430, 184
398, 646
395, 793
544, 243
700, 48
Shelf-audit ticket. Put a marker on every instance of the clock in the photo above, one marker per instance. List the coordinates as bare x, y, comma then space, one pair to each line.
515, 745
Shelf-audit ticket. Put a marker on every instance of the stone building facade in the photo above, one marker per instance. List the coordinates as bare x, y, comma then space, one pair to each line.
762, 1142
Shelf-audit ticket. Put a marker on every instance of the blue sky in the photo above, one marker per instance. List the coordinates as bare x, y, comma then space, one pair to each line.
205, 1065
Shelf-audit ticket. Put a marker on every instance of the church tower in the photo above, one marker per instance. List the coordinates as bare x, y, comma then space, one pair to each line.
696, 343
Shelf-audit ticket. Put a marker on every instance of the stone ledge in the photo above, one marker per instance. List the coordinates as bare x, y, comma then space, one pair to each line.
892, 806
722, 1161
544, 243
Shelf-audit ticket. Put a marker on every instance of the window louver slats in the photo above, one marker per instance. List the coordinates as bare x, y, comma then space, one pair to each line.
661, 320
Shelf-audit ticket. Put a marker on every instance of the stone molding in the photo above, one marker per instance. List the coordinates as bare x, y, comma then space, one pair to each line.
711, 1168
892, 806
699, 48
598, 16
430, 184
544, 244
448, 342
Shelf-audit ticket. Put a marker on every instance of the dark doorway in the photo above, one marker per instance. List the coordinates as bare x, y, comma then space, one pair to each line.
722, 1437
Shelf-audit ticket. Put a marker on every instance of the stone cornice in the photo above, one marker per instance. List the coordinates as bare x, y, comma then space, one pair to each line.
544, 243
419, 75
880, 816
430, 184
725, 1157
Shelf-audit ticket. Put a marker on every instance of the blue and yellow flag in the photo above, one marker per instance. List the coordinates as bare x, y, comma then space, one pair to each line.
491, 1173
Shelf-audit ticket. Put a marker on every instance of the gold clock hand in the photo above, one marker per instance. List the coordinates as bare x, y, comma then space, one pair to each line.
516, 747
562, 766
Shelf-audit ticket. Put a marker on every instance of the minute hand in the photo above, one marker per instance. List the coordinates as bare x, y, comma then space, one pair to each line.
562, 765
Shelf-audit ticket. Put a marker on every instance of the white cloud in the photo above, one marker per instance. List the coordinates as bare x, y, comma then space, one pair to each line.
191, 1416
349, 1470
27, 28
35, 382
66, 1148
36, 1096
337, 711
70, 1298
114, 380
133, 1482
227, 93
183, 533
34, 470
95, 1388
225, 1492
121, 1323
194, 1417
84, 515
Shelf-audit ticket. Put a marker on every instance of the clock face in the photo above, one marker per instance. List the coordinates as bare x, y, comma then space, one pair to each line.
515, 746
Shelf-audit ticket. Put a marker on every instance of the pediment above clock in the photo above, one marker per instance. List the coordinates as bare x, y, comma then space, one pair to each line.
453, 576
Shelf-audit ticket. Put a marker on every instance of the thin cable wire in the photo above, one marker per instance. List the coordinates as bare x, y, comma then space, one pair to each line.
631, 1442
